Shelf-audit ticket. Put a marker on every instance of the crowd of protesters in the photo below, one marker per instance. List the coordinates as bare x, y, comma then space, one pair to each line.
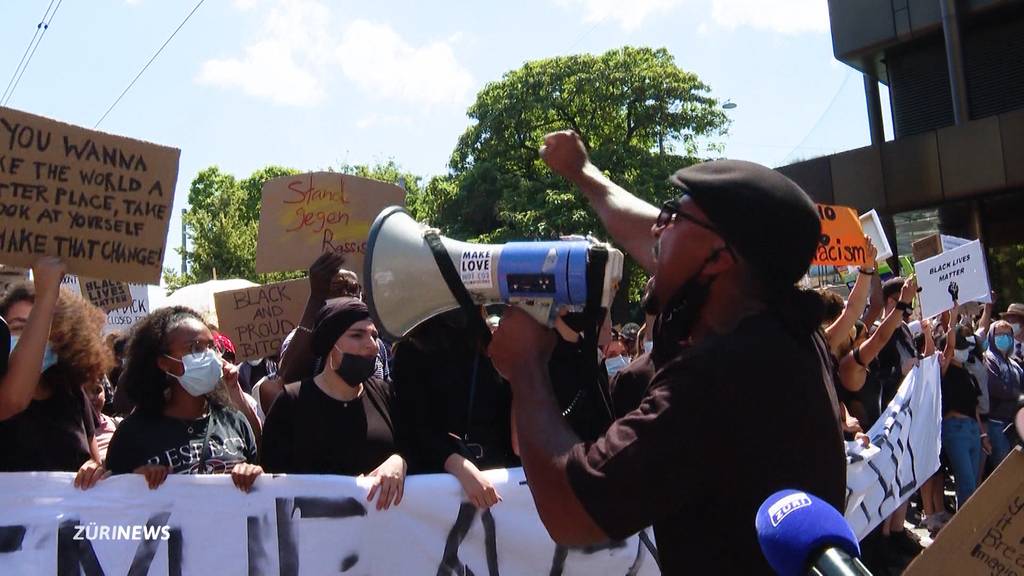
167, 398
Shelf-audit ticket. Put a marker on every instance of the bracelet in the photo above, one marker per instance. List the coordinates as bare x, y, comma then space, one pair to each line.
301, 328
901, 305
866, 273
984, 435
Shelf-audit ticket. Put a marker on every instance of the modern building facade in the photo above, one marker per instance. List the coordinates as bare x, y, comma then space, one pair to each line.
955, 73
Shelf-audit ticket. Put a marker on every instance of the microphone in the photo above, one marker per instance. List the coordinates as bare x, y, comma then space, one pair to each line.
801, 534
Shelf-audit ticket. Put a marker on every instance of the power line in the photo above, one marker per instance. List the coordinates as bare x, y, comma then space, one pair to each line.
161, 49
43, 25
822, 117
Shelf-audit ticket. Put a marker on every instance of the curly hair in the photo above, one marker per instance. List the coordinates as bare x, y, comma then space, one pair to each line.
145, 383
83, 357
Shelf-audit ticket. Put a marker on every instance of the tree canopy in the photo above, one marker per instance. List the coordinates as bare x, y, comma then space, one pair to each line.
641, 116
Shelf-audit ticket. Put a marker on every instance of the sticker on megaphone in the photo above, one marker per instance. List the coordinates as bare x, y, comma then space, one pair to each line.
405, 287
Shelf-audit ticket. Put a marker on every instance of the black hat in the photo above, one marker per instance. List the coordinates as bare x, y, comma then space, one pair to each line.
763, 215
333, 320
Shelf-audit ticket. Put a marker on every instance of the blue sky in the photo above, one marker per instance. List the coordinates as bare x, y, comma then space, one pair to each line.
315, 83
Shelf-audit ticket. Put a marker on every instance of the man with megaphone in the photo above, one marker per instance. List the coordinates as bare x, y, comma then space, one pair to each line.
740, 361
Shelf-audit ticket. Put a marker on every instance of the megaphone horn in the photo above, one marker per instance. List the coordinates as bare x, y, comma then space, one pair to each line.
404, 286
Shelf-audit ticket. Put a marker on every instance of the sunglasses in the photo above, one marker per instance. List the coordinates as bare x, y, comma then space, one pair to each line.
672, 211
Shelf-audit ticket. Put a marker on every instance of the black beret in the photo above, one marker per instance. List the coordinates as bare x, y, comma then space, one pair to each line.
764, 216
333, 320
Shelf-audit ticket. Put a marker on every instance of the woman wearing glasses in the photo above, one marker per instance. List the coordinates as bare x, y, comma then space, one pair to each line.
186, 421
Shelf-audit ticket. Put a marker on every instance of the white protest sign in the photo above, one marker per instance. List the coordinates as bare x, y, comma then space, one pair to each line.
872, 226
960, 272
293, 525
904, 450
119, 319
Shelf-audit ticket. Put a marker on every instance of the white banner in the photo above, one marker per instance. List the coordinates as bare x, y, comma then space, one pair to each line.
904, 450
288, 525
961, 270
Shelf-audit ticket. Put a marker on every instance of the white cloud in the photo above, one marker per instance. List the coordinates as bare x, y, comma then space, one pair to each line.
784, 16
629, 15
284, 67
301, 47
375, 120
379, 61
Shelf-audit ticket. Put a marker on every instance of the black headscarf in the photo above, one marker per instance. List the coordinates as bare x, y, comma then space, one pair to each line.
333, 320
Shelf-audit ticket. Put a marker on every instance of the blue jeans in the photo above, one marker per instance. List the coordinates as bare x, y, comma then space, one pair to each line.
961, 442
1000, 443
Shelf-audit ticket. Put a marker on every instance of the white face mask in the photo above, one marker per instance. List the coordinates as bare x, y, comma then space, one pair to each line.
202, 372
1016, 328
648, 346
961, 356
615, 363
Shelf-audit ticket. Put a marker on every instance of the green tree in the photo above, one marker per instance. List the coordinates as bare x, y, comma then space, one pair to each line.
223, 221
641, 116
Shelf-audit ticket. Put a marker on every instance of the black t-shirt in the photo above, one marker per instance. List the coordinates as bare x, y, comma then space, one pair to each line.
960, 391
435, 389
51, 435
308, 432
885, 374
143, 439
725, 424
581, 389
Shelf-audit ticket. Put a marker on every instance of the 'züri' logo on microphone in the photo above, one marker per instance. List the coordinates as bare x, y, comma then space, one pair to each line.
778, 511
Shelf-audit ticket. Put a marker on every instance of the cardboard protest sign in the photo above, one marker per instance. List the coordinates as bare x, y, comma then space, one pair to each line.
926, 247
842, 238
102, 203
123, 317
258, 319
106, 294
872, 226
306, 215
958, 274
984, 537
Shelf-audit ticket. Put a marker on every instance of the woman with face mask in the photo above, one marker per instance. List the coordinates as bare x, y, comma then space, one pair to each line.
343, 420
1005, 381
185, 420
963, 438
46, 422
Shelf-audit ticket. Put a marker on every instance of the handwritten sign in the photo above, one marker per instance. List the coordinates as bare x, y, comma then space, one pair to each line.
958, 274
106, 294
304, 216
119, 319
100, 202
842, 238
258, 319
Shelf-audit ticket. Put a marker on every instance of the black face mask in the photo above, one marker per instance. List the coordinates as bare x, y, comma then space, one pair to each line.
355, 370
680, 313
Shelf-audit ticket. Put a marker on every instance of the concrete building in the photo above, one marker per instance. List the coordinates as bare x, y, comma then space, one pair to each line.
955, 73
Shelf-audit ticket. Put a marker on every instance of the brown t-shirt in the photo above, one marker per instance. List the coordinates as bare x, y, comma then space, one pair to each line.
724, 425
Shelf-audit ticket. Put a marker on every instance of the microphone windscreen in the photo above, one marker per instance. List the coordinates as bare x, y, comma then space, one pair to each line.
793, 525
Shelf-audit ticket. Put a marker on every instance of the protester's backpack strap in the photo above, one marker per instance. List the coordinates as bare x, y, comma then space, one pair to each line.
455, 285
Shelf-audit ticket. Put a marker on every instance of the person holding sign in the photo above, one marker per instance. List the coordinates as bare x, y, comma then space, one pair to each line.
963, 439
344, 420
185, 422
46, 422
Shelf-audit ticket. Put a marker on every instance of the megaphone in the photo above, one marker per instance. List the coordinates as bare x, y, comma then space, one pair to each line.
404, 285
